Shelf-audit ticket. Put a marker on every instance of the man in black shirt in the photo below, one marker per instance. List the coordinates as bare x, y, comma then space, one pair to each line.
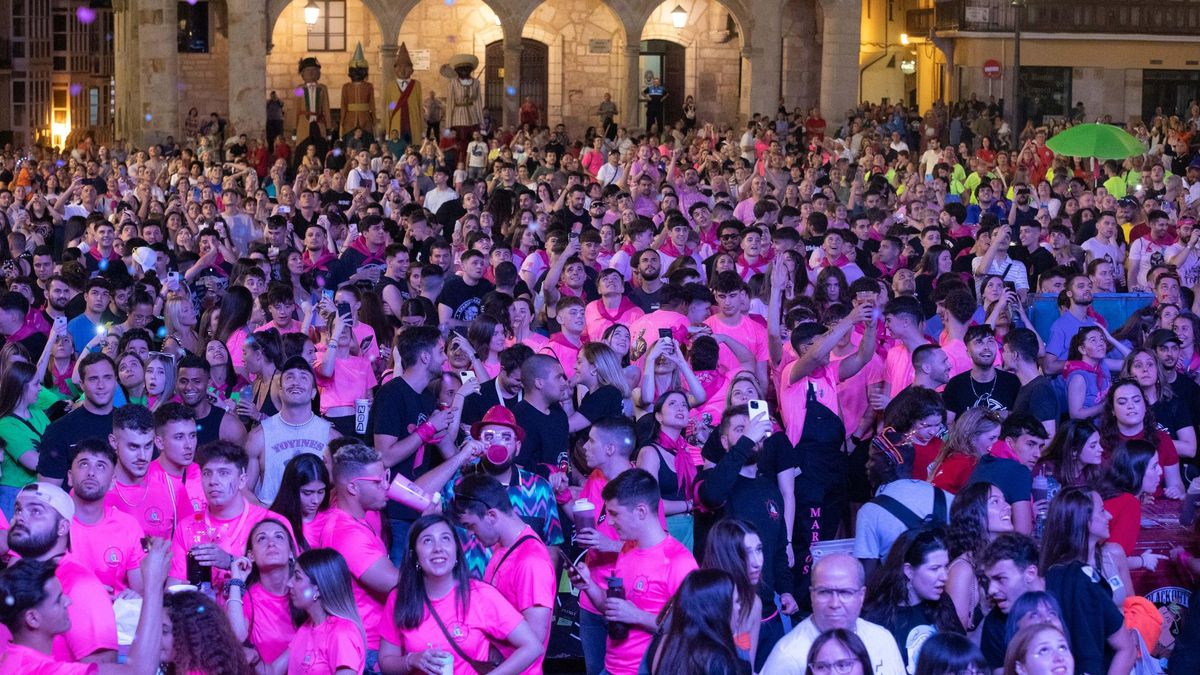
547, 429
1038, 397
404, 421
572, 211
1009, 567
983, 386
91, 420
648, 265
504, 389
462, 295
192, 377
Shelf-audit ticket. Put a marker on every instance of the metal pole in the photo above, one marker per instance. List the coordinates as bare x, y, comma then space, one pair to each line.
1018, 10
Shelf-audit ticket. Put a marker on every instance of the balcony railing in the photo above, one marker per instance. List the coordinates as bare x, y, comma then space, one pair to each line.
1139, 17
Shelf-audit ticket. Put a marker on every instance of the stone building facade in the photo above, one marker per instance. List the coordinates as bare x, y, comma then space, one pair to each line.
735, 57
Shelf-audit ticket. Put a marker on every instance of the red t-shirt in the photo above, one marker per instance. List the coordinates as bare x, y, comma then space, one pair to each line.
1167, 454
923, 456
1126, 524
954, 472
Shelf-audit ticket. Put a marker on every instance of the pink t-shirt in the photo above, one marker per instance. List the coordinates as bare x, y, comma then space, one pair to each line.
321, 650
598, 318
352, 379
852, 392
192, 488
489, 619
956, 351
651, 576
793, 400
534, 341
110, 548
93, 624
526, 580
229, 534
361, 545
234, 344
643, 332
566, 353
747, 332
155, 504
269, 618
293, 327
897, 369
20, 659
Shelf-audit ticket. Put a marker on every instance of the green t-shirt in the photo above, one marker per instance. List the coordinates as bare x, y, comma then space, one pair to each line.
20, 436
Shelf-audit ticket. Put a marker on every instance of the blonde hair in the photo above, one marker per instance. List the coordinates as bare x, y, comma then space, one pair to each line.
968, 426
608, 366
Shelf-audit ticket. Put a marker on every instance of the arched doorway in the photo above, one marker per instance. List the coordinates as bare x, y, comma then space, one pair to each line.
704, 54
533, 81
667, 61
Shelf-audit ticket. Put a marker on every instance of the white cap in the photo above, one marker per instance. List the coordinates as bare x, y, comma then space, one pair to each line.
53, 496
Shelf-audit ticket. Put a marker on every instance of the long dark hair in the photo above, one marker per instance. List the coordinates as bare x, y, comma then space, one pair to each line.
696, 632
968, 530
13, 381
1126, 470
1064, 450
1066, 536
410, 590
236, 307
1110, 434
204, 641
301, 470
254, 573
725, 550
888, 587
950, 654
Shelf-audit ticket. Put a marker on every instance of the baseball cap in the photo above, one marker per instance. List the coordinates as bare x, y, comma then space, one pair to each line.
297, 363
52, 496
1162, 336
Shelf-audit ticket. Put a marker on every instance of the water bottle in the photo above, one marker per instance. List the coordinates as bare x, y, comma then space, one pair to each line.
198, 575
616, 630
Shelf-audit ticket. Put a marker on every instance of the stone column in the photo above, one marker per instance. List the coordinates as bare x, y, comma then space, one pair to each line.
766, 60
125, 76
630, 116
157, 26
839, 58
387, 57
247, 67
512, 27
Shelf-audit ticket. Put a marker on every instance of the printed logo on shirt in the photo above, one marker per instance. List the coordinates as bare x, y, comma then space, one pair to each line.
772, 509
640, 585
153, 515
113, 556
458, 631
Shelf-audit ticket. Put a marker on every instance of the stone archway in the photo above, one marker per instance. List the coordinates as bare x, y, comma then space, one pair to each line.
713, 40
586, 43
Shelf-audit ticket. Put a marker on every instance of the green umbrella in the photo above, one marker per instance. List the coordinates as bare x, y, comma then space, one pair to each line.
1102, 141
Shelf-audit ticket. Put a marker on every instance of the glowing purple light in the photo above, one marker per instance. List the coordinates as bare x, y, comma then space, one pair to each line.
85, 14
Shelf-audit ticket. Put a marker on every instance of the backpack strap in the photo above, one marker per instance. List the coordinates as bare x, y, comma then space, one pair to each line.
939, 508
902, 513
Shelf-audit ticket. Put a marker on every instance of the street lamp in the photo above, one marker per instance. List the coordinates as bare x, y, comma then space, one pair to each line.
311, 13
1018, 11
679, 17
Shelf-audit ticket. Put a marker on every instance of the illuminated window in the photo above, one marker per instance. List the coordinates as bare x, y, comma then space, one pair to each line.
328, 34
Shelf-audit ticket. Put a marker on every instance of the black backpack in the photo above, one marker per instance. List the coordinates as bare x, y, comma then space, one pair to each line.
910, 519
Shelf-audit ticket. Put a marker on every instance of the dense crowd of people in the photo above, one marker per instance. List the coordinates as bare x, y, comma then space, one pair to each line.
772, 399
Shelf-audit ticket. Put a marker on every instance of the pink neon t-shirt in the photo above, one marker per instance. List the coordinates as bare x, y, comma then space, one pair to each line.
362, 547
651, 576
897, 369
597, 317
231, 535
747, 332
192, 488
643, 332
321, 650
489, 619
566, 353
93, 624
352, 379
269, 618
852, 392
20, 659
293, 327
526, 580
110, 548
234, 344
155, 504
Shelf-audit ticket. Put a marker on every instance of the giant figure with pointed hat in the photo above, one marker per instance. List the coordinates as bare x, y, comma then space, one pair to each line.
404, 98
358, 99
466, 98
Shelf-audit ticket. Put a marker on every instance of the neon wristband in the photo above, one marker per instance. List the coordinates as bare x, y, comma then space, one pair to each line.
426, 432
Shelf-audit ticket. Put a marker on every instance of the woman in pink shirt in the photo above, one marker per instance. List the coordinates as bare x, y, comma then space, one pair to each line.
331, 640
487, 337
198, 639
257, 608
342, 376
618, 337
435, 599
520, 315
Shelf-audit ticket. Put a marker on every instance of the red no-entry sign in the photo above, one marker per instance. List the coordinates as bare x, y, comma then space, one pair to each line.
992, 69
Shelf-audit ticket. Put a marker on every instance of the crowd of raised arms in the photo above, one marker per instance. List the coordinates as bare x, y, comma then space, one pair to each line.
792, 397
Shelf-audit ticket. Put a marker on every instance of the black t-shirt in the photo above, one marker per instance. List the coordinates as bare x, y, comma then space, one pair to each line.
54, 452
606, 401
476, 405
546, 437
397, 411
654, 96
464, 301
1089, 614
647, 302
911, 625
208, 428
341, 199
1172, 414
991, 638
1013, 478
962, 392
1039, 398
569, 218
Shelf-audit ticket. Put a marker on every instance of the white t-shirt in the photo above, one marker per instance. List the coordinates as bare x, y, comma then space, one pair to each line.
436, 197
1143, 253
876, 529
790, 655
359, 178
1097, 249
